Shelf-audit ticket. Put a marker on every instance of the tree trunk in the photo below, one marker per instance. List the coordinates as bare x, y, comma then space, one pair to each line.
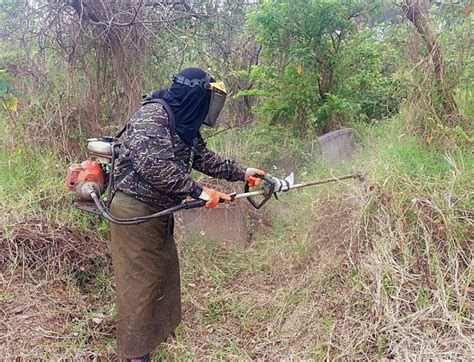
414, 11
112, 25
127, 68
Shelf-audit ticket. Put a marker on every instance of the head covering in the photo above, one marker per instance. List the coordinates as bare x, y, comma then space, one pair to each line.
190, 105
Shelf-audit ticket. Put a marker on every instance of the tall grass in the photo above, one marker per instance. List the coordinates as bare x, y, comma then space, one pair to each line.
379, 270
412, 252
376, 270
32, 186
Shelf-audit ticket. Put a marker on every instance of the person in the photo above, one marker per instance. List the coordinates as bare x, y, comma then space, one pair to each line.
161, 145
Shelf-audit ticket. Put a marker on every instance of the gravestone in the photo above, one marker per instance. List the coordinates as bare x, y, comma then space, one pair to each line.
225, 224
336, 147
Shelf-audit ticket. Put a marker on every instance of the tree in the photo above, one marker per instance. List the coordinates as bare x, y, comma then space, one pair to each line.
304, 44
415, 11
128, 29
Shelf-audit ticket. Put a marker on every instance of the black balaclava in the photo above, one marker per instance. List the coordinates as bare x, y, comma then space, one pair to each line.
189, 105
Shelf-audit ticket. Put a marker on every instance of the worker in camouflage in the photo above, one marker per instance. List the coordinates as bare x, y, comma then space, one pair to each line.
161, 146
160, 162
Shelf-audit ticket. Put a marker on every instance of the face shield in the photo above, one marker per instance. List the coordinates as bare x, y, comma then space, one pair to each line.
218, 96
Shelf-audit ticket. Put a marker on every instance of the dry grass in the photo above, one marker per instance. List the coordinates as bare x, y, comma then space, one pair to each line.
56, 293
279, 305
372, 271
417, 268
264, 302
34, 247
53, 319
349, 278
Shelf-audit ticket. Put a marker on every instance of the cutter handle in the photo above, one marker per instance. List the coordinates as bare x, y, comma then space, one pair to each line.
266, 196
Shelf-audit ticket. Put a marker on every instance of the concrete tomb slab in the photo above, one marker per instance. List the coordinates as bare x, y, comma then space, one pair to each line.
227, 225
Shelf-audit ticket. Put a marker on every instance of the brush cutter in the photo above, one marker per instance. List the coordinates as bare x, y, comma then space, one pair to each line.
90, 179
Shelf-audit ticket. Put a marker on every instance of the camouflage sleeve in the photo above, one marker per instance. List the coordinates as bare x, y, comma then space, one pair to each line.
152, 156
210, 163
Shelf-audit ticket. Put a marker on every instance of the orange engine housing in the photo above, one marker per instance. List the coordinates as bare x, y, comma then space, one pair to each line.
82, 176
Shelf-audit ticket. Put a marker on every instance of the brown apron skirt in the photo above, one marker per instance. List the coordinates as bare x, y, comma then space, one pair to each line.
146, 270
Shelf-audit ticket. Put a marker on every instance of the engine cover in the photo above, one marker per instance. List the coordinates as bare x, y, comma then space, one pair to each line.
82, 176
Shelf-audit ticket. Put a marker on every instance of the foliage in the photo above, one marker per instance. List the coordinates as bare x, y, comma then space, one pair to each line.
335, 108
8, 96
317, 53
366, 73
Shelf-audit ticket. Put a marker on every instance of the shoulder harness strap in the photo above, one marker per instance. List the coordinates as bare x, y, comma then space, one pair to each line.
171, 124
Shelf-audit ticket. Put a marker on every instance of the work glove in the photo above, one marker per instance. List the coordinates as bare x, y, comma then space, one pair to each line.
250, 176
213, 197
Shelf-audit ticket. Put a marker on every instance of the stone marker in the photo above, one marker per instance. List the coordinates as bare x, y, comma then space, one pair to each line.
227, 225
337, 146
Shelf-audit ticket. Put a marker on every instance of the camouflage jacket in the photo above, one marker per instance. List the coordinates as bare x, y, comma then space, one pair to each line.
155, 165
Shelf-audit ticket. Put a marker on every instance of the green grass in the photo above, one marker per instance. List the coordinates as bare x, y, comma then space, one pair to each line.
32, 185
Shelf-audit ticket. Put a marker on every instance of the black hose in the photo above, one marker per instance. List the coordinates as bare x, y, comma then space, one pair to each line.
141, 219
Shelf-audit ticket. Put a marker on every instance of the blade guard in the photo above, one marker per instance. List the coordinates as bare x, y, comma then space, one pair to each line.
269, 191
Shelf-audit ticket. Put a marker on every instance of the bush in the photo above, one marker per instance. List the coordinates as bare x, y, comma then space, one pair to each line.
322, 70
